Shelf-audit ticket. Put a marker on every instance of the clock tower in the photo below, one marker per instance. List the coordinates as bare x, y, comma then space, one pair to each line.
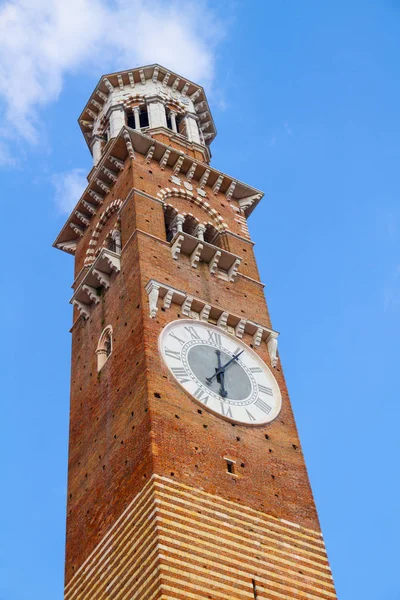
186, 478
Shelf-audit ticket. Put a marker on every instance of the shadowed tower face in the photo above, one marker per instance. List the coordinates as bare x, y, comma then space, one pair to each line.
186, 478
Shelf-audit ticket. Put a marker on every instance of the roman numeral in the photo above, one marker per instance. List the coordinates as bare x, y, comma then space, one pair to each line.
255, 370
172, 354
199, 394
226, 411
214, 337
238, 349
251, 418
265, 389
193, 333
180, 374
176, 337
263, 406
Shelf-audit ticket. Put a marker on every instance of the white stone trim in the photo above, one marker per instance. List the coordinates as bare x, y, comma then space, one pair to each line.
196, 308
101, 351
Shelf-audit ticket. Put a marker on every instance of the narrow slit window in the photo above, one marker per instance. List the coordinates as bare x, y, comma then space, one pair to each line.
230, 466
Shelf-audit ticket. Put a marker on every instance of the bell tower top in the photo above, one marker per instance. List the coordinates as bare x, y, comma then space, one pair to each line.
152, 100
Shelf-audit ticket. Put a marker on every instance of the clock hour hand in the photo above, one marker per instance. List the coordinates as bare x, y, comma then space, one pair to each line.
220, 372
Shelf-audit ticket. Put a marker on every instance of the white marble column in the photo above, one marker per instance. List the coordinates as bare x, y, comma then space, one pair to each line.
200, 231
136, 116
97, 146
156, 111
173, 121
117, 119
192, 128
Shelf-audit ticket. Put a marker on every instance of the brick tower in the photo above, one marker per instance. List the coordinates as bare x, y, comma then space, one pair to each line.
186, 478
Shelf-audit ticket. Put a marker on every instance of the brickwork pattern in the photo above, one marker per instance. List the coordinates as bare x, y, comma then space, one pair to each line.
152, 512
177, 542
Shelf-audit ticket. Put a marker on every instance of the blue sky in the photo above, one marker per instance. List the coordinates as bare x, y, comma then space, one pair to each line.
306, 97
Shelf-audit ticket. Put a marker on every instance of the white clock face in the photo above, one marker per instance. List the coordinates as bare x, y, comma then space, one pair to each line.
220, 372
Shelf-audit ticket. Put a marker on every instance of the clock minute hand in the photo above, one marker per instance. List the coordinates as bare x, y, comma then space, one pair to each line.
235, 357
222, 369
219, 374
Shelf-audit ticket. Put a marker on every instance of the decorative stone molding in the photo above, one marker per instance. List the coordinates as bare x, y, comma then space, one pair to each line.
108, 85
204, 178
190, 173
149, 154
196, 255
230, 190
96, 104
220, 261
168, 193
185, 89
178, 164
69, 247
273, 347
135, 141
175, 84
98, 275
112, 175
82, 218
129, 146
90, 207
217, 185
103, 186
196, 308
164, 159
176, 246
118, 163
77, 229
112, 208
99, 199
195, 95
153, 290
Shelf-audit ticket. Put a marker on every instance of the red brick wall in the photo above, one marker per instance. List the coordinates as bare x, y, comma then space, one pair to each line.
132, 420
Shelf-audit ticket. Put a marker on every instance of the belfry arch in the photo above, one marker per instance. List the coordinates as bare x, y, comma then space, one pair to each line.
92, 246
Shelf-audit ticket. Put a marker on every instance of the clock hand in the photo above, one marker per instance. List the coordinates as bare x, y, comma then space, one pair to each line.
220, 373
235, 357
221, 369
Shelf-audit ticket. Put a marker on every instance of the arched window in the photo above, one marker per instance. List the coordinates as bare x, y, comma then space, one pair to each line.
170, 214
211, 235
189, 225
139, 118
113, 241
104, 347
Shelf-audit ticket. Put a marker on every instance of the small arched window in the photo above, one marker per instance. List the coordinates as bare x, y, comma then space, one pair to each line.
104, 347
211, 235
138, 118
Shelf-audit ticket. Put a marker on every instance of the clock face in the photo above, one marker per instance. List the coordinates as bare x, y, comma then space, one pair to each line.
220, 372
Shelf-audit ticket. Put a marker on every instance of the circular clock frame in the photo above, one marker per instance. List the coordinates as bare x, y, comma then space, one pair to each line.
252, 409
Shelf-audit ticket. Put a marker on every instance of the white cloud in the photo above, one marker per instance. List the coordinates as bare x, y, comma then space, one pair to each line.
41, 41
5, 158
69, 187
